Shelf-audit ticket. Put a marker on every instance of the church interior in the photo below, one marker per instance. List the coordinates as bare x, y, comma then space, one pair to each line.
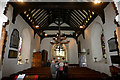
60, 40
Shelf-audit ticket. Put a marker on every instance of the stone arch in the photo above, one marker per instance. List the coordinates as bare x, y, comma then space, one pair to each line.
26, 45
96, 41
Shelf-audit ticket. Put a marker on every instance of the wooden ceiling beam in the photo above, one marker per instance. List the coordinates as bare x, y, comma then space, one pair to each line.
75, 20
44, 19
49, 36
18, 8
76, 25
78, 20
44, 22
40, 18
78, 16
71, 22
36, 13
39, 14
62, 28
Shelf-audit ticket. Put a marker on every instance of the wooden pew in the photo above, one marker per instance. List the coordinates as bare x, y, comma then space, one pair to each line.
83, 73
41, 73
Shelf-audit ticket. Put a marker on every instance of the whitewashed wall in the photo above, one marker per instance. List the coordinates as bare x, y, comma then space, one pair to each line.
72, 49
109, 28
10, 64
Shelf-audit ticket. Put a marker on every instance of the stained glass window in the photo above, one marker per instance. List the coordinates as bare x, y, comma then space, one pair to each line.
103, 46
59, 51
19, 52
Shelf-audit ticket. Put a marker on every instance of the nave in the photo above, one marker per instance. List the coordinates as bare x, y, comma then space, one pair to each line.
83, 33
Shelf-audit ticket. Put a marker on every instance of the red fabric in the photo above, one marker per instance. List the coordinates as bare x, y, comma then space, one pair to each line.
36, 76
16, 77
61, 68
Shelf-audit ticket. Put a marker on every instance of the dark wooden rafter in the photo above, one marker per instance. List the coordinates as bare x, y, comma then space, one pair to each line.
32, 21
43, 14
73, 23
68, 16
49, 36
35, 14
41, 17
79, 18
58, 5
45, 22
76, 17
62, 28
86, 17
74, 20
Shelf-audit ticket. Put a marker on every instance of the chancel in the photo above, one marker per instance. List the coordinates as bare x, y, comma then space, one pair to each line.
60, 40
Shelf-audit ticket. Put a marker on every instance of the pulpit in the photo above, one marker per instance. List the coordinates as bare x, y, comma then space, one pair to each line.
37, 59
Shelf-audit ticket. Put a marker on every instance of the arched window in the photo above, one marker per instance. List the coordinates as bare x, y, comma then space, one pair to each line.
59, 52
14, 40
14, 43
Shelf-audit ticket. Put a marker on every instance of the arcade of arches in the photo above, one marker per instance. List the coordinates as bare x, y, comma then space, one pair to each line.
24, 51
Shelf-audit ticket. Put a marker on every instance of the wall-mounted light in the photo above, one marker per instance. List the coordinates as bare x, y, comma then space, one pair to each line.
93, 13
45, 35
81, 27
90, 16
29, 18
37, 26
25, 12
27, 15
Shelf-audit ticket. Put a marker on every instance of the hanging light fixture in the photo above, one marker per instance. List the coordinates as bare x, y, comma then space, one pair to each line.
59, 39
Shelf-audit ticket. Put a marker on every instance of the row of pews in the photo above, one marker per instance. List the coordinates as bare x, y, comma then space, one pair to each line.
84, 73
74, 73
34, 73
